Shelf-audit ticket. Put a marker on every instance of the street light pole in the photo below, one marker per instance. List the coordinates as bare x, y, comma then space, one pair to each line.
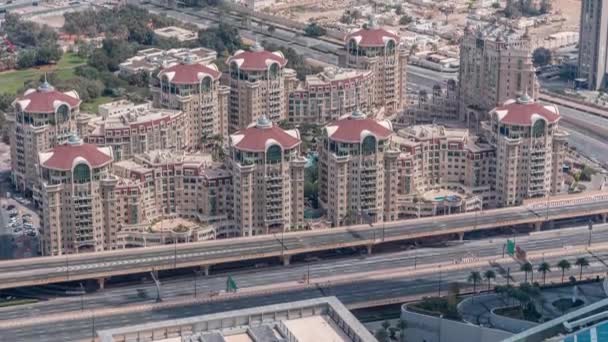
439, 283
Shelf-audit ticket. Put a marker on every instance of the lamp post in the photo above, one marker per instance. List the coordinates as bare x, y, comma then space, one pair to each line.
439, 283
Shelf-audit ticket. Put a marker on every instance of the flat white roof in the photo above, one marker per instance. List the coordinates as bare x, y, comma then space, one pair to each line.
315, 329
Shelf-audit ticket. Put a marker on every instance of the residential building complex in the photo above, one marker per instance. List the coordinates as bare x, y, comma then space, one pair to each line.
71, 198
328, 95
153, 59
495, 65
379, 50
352, 156
41, 119
593, 43
268, 179
259, 85
438, 106
195, 89
530, 150
139, 130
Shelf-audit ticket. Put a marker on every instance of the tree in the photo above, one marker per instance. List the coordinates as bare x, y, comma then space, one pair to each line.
541, 56
271, 28
474, 278
581, 262
489, 275
223, 38
405, 20
543, 268
386, 324
381, 335
447, 10
527, 268
545, 6
564, 265
314, 30
512, 10
398, 10
26, 59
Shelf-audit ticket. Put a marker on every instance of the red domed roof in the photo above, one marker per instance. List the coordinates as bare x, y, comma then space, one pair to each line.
257, 59
65, 157
189, 73
372, 37
260, 135
353, 128
524, 111
46, 99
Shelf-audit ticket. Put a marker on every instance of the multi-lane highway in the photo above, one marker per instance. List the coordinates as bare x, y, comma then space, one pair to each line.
358, 280
46, 270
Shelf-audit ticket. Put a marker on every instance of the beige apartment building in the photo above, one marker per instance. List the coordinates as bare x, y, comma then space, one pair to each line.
330, 94
379, 50
530, 150
593, 44
438, 106
495, 65
259, 83
41, 119
352, 171
70, 192
442, 171
268, 179
195, 89
139, 129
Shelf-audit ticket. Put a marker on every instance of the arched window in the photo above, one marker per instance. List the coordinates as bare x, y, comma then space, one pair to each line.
273, 154
82, 173
390, 46
206, 84
273, 72
538, 130
352, 47
234, 71
369, 145
63, 113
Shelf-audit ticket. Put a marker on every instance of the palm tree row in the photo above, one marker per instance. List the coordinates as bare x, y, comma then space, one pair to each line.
544, 267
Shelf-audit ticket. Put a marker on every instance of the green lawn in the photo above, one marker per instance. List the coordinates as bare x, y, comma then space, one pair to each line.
93, 106
11, 81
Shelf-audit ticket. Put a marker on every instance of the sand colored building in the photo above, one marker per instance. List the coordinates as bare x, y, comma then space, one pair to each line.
328, 95
354, 157
593, 43
379, 50
268, 179
195, 89
71, 198
41, 119
259, 84
495, 65
530, 150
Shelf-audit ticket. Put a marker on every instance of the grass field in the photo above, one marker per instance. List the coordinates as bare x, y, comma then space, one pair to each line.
11, 81
92, 106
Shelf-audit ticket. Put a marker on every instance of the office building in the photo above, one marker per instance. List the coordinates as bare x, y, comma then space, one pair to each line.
593, 43
379, 50
495, 65
330, 94
268, 179
258, 83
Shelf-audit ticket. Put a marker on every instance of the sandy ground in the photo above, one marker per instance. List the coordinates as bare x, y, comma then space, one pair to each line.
54, 21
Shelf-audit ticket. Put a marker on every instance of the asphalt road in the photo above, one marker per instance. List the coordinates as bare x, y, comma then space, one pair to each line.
359, 291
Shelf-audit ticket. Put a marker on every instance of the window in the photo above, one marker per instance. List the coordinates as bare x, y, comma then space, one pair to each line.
82, 173
206, 84
369, 145
63, 113
273, 154
538, 130
273, 72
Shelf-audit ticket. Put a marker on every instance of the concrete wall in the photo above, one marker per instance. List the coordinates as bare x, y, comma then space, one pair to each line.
423, 328
509, 324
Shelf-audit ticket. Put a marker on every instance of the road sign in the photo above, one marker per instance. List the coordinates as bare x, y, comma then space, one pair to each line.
231, 285
511, 247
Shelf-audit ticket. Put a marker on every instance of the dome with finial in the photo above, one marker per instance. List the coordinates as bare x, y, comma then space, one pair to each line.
65, 157
352, 128
46, 99
189, 72
263, 133
256, 59
372, 36
524, 111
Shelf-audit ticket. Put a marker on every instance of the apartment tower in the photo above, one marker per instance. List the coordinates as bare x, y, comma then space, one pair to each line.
593, 43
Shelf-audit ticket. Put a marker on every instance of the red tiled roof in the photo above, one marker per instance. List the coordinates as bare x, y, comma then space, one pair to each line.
517, 113
63, 156
256, 60
39, 101
184, 73
349, 129
255, 138
372, 37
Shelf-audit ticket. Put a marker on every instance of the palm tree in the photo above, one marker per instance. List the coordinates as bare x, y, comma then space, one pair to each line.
527, 268
564, 265
581, 262
474, 278
489, 275
543, 268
